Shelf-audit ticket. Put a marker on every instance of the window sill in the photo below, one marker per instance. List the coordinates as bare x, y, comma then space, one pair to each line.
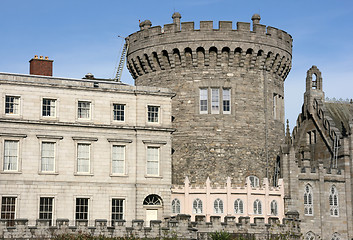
48, 173
118, 175
10, 172
83, 174
153, 176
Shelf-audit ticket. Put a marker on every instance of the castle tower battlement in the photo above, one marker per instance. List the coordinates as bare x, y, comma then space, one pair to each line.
229, 103
154, 49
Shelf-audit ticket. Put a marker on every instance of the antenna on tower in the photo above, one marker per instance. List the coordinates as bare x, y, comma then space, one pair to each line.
120, 68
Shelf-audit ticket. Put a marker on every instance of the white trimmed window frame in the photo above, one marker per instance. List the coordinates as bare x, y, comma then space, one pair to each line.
156, 162
13, 138
203, 100
113, 104
16, 206
119, 159
53, 207
274, 208
257, 207
154, 144
226, 100
153, 119
89, 197
84, 141
197, 206
111, 208
238, 206
218, 206
54, 114
215, 100
78, 107
176, 206
18, 112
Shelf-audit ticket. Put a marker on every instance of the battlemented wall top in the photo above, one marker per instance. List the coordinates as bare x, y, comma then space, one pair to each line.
146, 29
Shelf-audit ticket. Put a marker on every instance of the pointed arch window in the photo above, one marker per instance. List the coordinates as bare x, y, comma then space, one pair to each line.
175, 206
218, 206
274, 208
197, 206
333, 199
254, 181
257, 207
308, 201
238, 206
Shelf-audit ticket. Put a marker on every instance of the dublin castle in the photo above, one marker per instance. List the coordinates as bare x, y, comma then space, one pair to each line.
199, 144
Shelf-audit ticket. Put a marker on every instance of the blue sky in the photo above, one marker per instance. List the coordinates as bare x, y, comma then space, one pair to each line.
81, 36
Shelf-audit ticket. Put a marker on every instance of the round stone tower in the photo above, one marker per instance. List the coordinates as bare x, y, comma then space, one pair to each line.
228, 110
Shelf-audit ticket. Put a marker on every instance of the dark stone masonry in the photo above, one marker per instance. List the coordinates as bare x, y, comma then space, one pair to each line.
244, 69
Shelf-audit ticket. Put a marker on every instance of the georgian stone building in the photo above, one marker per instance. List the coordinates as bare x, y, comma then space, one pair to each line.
83, 149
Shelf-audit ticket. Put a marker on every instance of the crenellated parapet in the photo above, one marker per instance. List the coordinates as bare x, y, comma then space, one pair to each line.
180, 45
177, 227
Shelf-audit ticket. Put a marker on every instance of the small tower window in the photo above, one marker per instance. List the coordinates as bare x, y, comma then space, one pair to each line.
254, 181
314, 82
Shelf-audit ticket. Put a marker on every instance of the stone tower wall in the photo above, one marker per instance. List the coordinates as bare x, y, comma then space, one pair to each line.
253, 64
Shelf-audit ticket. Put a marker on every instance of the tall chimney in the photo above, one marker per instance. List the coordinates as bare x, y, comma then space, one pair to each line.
40, 66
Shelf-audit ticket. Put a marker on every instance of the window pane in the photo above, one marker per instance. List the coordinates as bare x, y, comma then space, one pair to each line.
153, 112
8, 207
81, 208
153, 160
119, 112
118, 159
117, 209
226, 100
48, 106
12, 104
83, 157
46, 208
48, 156
215, 100
84, 109
203, 100
10, 155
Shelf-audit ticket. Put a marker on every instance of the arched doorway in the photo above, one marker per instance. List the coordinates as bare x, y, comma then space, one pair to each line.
153, 205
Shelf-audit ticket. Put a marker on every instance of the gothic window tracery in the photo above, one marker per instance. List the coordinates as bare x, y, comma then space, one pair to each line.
238, 206
333, 200
257, 207
176, 206
218, 206
308, 201
197, 206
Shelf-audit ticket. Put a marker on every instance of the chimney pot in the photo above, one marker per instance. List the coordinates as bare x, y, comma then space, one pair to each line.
40, 57
35, 56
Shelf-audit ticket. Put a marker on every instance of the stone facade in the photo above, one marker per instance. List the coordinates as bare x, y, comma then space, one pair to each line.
27, 125
249, 64
317, 160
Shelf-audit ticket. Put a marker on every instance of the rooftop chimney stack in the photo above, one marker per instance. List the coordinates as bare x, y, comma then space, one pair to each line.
41, 66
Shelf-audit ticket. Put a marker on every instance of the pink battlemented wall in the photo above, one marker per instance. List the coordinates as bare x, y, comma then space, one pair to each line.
229, 193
